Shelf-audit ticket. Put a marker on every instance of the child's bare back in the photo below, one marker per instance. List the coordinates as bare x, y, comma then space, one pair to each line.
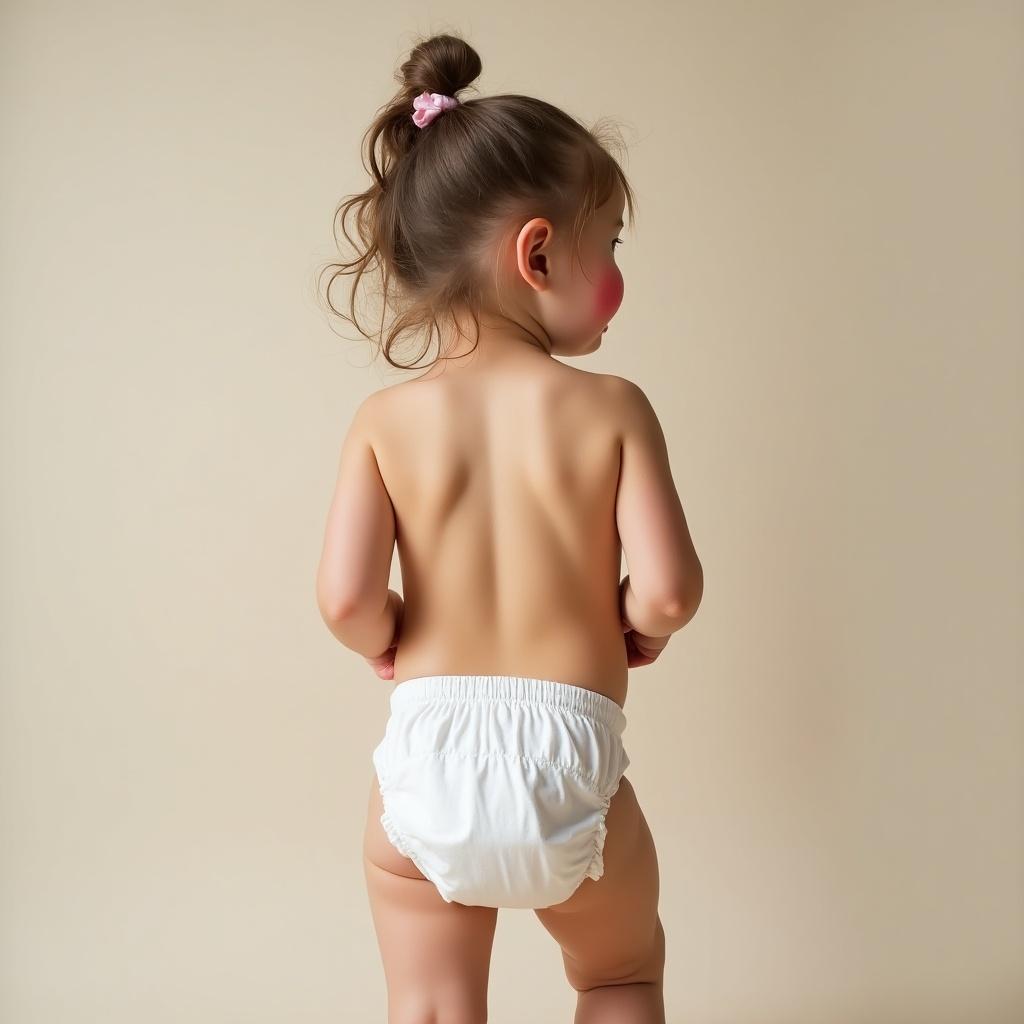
503, 479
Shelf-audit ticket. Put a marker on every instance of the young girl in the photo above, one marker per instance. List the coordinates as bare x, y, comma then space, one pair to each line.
509, 480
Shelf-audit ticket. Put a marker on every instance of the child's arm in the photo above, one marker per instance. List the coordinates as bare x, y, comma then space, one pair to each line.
665, 582
352, 578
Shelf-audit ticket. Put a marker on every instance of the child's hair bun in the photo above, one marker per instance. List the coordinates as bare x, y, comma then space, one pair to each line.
443, 63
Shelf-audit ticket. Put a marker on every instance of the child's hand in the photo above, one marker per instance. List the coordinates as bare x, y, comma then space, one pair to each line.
642, 649
384, 664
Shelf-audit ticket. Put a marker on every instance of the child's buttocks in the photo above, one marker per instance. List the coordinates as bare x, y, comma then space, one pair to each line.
497, 787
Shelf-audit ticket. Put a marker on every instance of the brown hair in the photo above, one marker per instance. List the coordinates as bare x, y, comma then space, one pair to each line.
441, 194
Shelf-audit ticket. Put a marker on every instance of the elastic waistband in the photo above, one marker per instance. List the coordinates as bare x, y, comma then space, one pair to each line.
423, 689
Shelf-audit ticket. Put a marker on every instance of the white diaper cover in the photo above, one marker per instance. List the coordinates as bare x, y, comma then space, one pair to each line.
497, 787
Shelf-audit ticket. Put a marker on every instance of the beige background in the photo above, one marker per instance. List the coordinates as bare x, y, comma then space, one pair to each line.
823, 302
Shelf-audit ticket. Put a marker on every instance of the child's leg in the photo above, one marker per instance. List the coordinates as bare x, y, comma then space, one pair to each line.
436, 955
612, 939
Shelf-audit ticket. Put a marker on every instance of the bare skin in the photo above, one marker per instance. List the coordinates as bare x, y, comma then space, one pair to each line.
502, 468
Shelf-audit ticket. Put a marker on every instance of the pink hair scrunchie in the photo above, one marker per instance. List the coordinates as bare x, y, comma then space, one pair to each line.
429, 105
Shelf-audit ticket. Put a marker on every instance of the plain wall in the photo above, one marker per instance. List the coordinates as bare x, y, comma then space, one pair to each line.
823, 303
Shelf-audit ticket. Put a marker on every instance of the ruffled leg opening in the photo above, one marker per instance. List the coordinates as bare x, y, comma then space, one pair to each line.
392, 830
398, 840
596, 867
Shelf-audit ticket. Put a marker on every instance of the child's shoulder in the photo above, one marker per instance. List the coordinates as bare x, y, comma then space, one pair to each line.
383, 400
387, 407
618, 402
607, 385
623, 394
615, 382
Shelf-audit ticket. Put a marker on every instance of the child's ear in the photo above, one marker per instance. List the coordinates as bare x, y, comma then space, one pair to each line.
532, 252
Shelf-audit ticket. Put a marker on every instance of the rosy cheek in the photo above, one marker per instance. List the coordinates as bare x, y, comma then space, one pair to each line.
608, 294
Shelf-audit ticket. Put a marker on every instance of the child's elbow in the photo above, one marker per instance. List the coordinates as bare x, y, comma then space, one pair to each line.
697, 592
683, 607
334, 603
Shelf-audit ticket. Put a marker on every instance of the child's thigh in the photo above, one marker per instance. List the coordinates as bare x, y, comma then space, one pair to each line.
436, 955
609, 928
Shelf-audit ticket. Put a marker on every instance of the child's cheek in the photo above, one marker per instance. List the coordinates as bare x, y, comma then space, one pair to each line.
609, 294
